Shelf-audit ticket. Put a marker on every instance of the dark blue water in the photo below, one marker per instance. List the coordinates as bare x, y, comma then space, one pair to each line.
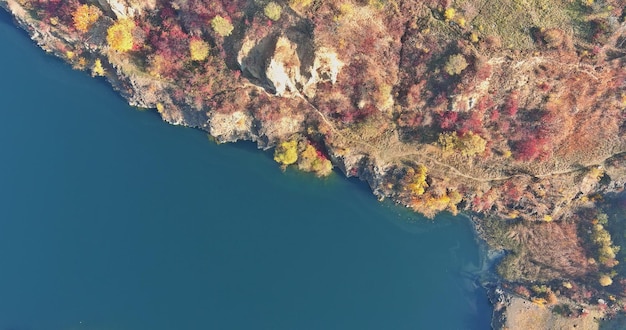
112, 219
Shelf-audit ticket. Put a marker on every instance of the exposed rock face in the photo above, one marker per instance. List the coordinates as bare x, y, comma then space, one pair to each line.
284, 68
231, 127
276, 65
127, 8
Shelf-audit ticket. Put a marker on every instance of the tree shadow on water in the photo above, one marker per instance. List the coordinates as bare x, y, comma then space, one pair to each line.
361, 186
6, 18
616, 323
250, 147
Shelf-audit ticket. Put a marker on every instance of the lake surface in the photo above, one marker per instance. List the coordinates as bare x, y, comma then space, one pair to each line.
112, 219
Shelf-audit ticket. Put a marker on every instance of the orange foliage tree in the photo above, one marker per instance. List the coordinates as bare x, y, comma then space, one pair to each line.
85, 16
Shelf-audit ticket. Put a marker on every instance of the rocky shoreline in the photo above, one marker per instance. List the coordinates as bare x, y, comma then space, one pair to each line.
283, 80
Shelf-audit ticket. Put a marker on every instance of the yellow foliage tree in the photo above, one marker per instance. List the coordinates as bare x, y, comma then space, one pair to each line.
120, 35
286, 153
455, 65
606, 250
157, 63
80, 63
438, 203
199, 49
539, 301
429, 205
25, 3
85, 16
454, 199
605, 280
469, 144
418, 184
310, 161
222, 26
596, 172
448, 141
551, 298
298, 5
97, 69
430, 202
273, 10
449, 14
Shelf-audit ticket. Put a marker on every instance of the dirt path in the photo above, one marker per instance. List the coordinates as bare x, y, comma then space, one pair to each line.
400, 151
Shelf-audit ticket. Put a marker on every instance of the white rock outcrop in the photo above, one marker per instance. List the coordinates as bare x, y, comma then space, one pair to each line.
284, 67
278, 64
127, 8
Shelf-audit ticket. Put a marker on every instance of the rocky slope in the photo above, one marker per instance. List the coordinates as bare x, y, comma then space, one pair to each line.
438, 105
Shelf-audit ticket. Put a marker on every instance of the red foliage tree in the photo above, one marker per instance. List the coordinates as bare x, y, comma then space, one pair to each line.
473, 123
530, 148
484, 104
171, 44
511, 192
447, 120
494, 116
410, 119
511, 105
60, 9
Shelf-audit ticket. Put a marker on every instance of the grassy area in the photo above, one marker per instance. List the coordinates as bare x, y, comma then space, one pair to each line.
512, 20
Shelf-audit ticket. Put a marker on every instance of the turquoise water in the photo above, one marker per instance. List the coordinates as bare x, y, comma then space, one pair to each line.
112, 219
